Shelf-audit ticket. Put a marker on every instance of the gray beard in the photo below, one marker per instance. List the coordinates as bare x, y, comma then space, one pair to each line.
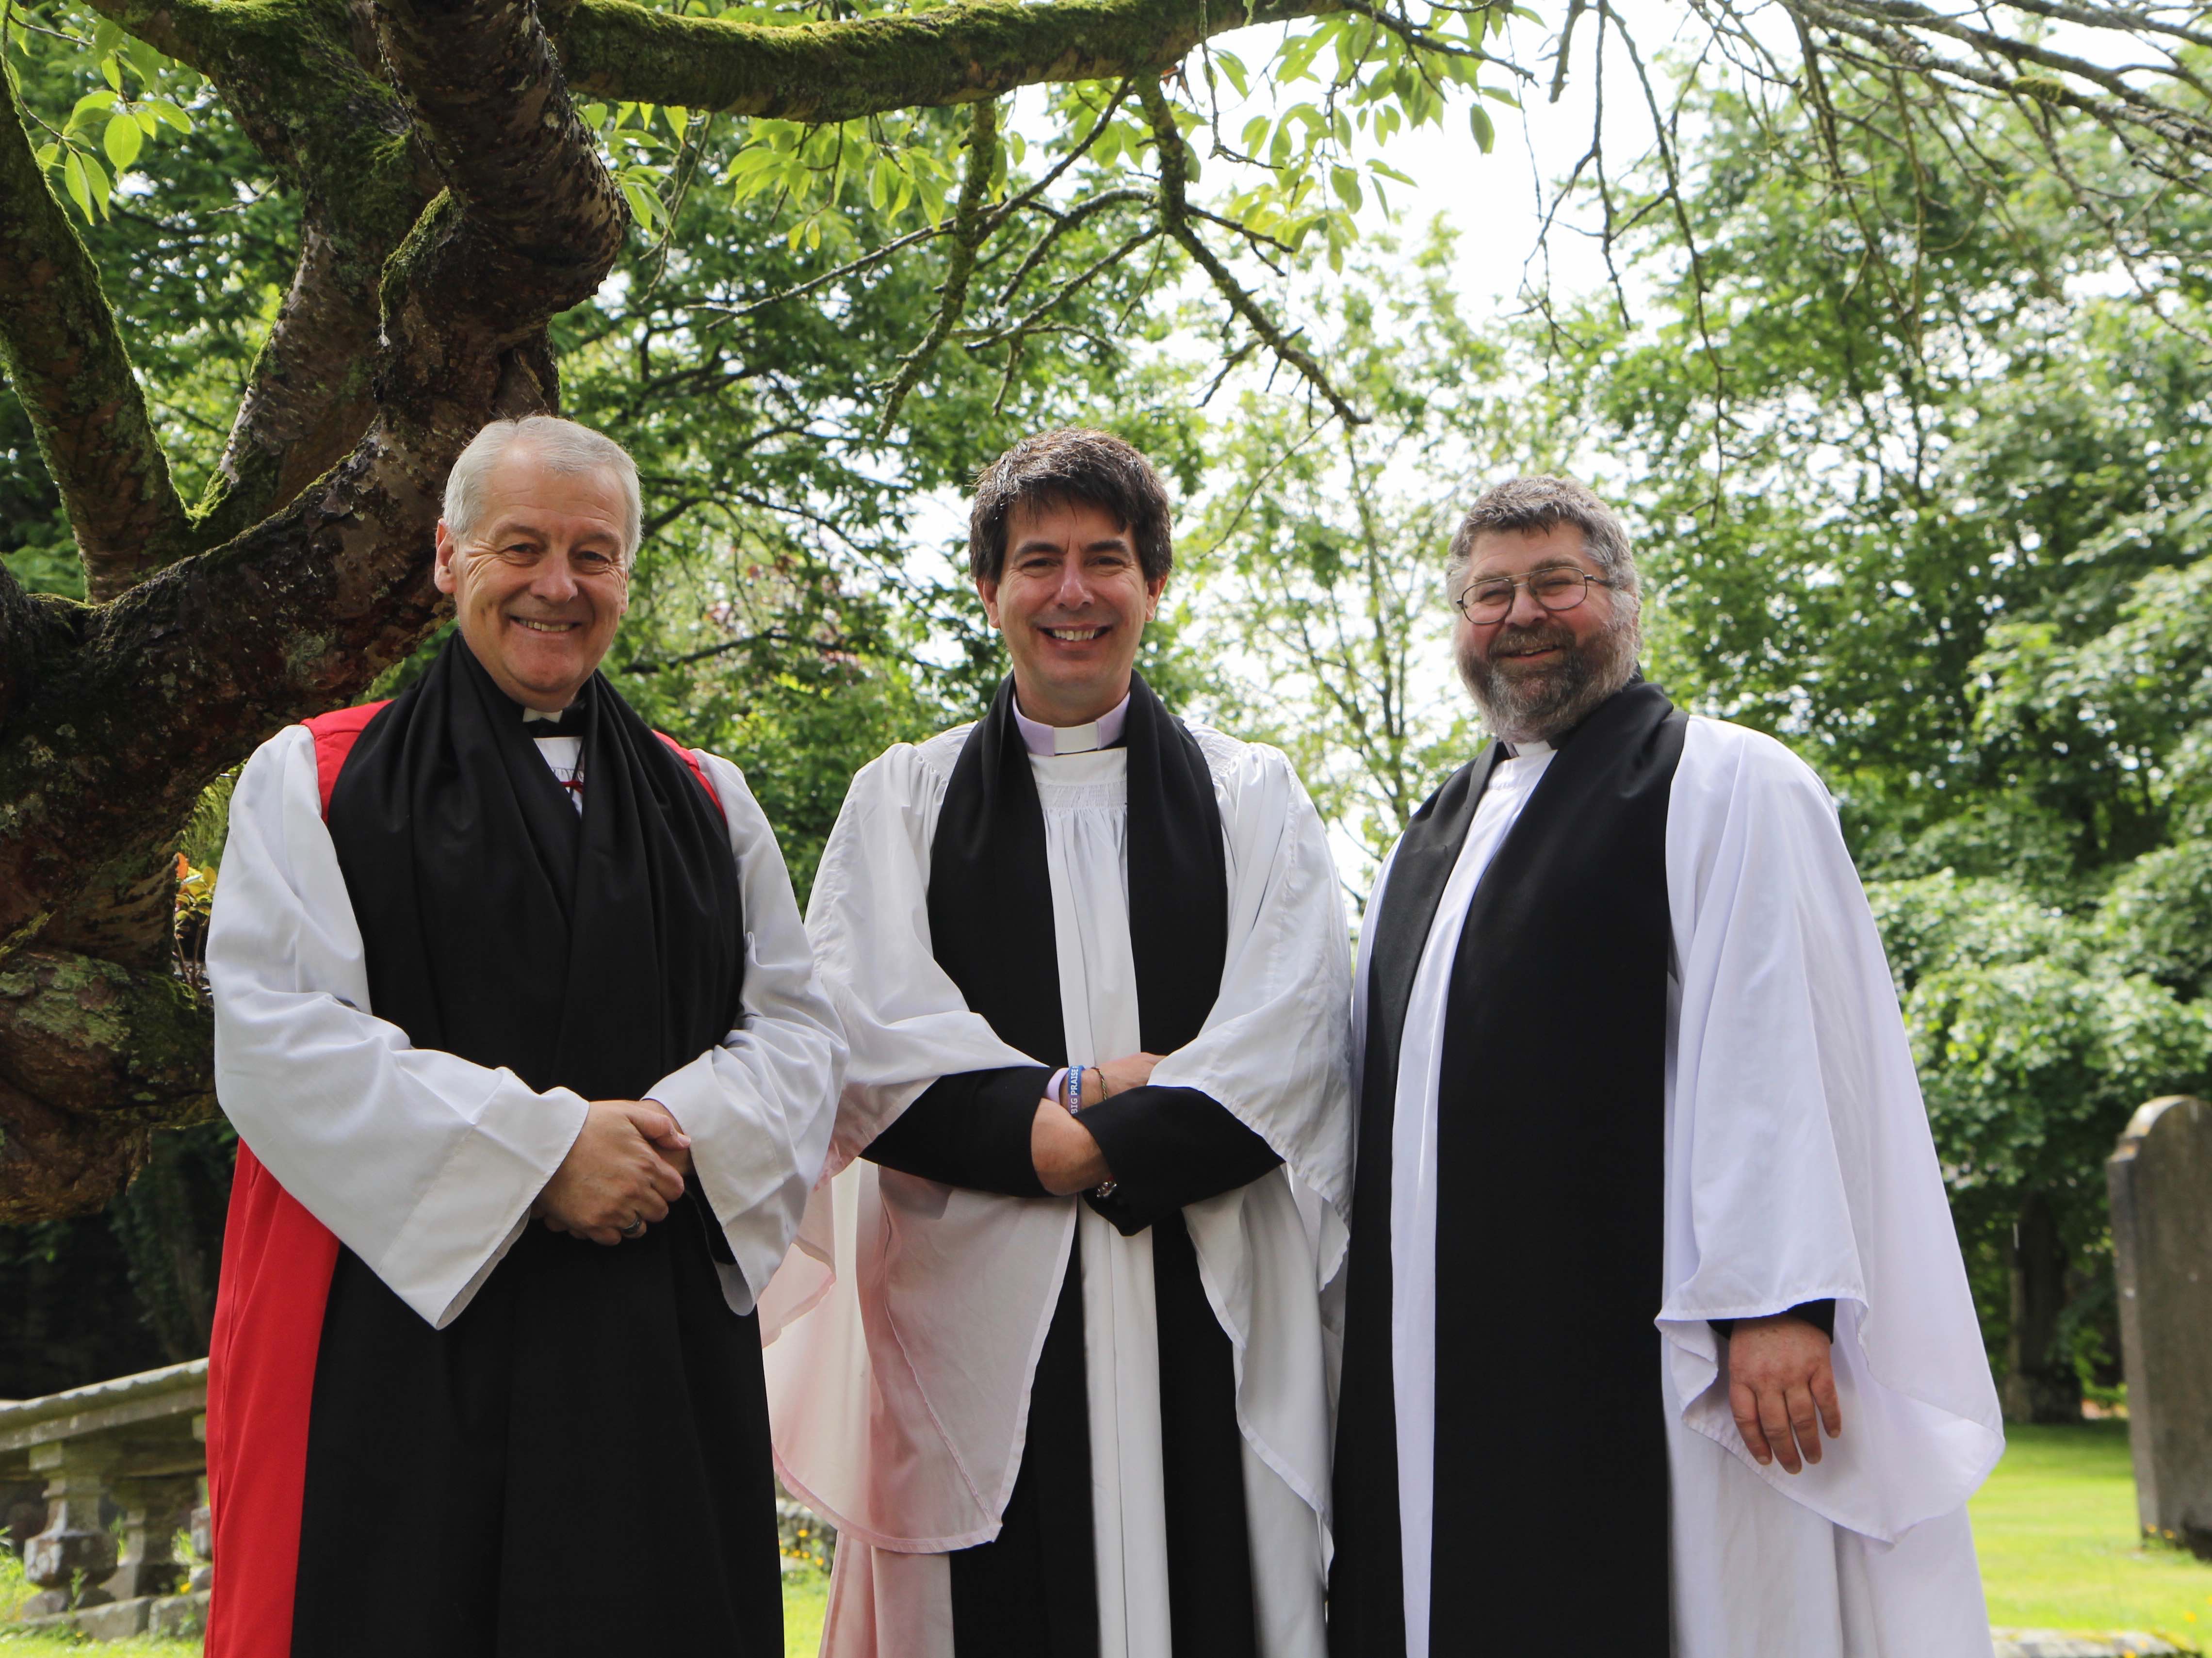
1535, 708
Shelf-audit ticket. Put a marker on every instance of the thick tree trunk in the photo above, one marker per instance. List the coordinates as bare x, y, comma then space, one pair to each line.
2041, 1384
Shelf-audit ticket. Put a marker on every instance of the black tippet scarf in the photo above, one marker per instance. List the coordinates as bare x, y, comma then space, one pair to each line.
1550, 1157
597, 953
990, 891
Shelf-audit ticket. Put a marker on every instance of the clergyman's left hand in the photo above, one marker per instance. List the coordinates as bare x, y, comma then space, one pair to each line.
1782, 1390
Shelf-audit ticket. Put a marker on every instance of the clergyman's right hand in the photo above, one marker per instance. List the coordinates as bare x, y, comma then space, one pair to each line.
1130, 1071
616, 1174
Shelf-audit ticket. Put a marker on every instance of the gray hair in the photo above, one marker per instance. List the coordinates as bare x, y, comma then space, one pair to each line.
1527, 506
561, 445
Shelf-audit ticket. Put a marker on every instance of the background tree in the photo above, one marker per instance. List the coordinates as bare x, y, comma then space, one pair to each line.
1937, 524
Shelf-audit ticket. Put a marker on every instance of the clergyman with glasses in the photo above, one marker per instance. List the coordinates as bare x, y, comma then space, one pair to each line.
1652, 1281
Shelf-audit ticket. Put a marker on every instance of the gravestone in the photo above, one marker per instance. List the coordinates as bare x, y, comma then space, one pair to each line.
2161, 1179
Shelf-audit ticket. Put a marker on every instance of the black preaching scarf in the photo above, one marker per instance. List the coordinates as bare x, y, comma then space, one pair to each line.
990, 892
1550, 1163
1032, 1592
598, 953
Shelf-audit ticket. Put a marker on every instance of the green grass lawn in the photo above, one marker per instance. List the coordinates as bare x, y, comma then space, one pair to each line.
805, 1595
2060, 1548
2056, 1525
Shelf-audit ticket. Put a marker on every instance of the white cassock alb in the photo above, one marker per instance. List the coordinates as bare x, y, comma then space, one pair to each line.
912, 1313
425, 1165
1799, 1168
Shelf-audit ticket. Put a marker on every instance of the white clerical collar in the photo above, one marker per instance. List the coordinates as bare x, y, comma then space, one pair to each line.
1101, 733
530, 714
1525, 750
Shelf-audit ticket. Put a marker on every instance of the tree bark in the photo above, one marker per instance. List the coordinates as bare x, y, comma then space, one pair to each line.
2041, 1384
63, 355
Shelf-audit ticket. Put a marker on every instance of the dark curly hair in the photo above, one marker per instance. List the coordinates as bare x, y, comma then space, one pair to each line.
1095, 469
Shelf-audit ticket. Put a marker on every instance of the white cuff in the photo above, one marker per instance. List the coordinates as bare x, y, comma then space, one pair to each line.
480, 1201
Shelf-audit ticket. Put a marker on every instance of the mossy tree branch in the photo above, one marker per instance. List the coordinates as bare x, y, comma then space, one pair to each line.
971, 223
296, 75
957, 54
65, 357
1176, 215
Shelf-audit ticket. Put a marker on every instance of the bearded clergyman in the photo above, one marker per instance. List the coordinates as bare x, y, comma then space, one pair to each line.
518, 1024
1652, 1280
1067, 1395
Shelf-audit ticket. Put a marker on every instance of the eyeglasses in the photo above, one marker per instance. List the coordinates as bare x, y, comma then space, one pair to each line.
1559, 588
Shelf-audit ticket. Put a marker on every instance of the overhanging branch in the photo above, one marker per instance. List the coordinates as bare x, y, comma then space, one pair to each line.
839, 71
63, 355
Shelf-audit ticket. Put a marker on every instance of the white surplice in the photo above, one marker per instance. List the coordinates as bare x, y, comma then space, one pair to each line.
913, 1313
1799, 1168
424, 1164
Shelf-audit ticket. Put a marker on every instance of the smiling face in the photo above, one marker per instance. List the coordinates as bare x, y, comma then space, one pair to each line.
539, 580
1535, 672
1073, 600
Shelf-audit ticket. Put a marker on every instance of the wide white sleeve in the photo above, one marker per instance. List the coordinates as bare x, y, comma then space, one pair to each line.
759, 1106
907, 1022
1800, 1164
423, 1163
1276, 1049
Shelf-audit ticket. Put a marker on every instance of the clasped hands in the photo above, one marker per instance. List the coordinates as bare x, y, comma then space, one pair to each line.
1782, 1390
625, 1167
1067, 1158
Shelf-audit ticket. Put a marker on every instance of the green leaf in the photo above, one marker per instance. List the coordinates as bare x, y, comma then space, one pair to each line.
123, 140
148, 123
145, 59
45, 156
1500, 95
1347, 184
595, 115
170, 114
111, 67
642, 204
100, 98
80, 191
1233, 67
107, 36
1382, 169
1485, 135
931, 190
1255, 133
96, 177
